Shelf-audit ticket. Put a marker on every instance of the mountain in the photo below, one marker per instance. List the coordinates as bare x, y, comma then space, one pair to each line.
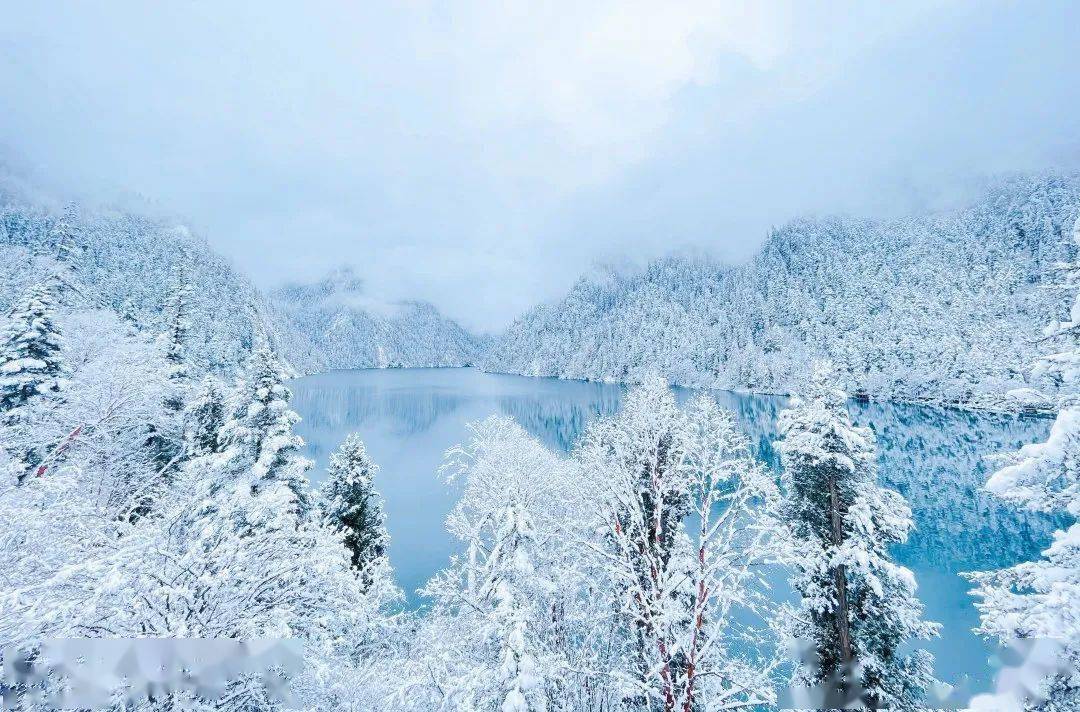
132, 263
943, 308
334, 324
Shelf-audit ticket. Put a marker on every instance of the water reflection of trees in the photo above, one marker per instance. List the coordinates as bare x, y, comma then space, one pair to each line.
558, 422
938, 460
340, 406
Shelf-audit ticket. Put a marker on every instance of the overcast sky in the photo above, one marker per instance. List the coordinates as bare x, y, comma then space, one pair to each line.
482, 155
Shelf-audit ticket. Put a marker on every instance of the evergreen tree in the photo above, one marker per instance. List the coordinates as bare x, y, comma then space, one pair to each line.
259, 432
858, 607
173, 340
1041, 599
352, 505
166, 439
65, 240
204, 419
510, 574
130, 316
30, 360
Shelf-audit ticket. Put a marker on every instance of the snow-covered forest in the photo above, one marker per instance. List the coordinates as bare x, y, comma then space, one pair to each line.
132, 265
943, 308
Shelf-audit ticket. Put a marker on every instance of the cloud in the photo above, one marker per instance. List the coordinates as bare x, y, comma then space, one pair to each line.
600, 73
481, 155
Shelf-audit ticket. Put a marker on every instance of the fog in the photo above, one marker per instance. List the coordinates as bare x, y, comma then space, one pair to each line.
483, 155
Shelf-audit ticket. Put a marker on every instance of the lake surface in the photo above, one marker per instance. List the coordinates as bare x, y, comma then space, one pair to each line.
936, 458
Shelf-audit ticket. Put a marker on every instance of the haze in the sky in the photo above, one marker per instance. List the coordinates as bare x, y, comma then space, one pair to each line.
482, 155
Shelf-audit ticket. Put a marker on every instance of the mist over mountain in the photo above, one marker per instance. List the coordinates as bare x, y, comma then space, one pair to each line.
131, 263
334, 324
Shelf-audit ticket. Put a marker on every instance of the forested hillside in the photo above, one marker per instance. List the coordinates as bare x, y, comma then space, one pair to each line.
942, 308
333, 324
135, 266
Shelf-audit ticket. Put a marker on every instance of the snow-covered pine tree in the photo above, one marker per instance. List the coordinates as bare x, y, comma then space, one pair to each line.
174, 339
259, 431
352, 507
203, 420
858, 608
167, 443
64, 239
510, 574
30, 360
1041, 599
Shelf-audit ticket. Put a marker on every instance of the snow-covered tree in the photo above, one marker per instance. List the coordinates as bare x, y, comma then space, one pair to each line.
639, 454
63, 235
204, 420
481, 594
735, 504
175, 337
654, 467
30, 359
859, 609
214, 555
259, 432
1041, 599
515, 623
510, 572
352, 506
167, 445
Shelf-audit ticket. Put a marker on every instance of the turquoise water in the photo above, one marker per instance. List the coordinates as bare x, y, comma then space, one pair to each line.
935, 458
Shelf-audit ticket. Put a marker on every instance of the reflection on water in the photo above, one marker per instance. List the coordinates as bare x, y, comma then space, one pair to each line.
409, 417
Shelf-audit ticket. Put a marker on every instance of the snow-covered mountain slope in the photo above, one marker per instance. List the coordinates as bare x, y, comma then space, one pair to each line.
942, 308
333, 324
132, 263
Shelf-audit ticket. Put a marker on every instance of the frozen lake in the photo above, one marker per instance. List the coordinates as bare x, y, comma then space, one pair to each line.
935, 458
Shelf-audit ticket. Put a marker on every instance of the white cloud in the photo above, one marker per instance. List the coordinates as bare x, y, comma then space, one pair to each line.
599, 76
